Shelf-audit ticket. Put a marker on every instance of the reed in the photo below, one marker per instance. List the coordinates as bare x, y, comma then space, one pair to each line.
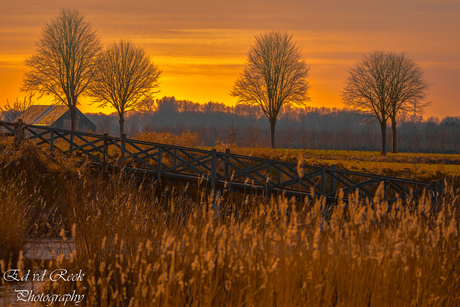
139, 245
146, 252
14, 220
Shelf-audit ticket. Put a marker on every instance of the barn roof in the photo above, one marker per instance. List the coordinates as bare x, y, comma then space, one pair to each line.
43, 115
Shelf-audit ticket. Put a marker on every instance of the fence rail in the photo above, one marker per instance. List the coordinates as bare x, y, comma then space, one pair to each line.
220, 170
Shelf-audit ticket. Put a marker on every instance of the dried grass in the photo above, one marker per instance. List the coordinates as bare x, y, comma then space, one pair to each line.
138, 247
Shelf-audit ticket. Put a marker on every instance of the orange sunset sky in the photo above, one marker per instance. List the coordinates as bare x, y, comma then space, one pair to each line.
201, 46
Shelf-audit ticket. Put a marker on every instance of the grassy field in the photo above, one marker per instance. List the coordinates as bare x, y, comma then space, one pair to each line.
191, 140
139, 245
416, 166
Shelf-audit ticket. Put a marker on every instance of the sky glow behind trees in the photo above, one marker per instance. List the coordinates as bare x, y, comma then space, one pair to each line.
202, 46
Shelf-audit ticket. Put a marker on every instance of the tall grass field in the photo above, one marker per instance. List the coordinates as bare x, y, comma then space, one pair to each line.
139, 244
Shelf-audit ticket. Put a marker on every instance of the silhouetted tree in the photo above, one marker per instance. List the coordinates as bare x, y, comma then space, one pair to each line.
383, 84
63, 65
407, 89
274, 75
125, 78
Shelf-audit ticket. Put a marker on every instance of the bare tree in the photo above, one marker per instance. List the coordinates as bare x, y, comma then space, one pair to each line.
11, 112
407, 89
381, 85
273, 76
125, 78
63, 65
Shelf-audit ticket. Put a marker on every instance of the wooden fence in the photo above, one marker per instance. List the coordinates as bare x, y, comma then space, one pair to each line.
220, 171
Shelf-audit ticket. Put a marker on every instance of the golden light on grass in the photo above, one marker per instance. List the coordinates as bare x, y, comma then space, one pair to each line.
277, 255
140, 246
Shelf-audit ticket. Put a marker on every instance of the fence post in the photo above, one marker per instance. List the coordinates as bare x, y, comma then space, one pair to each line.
19, 132
323, 180
333, 179
106, 149
123, 145
267, 186
52, 141
213, 171
227, 166
159, 165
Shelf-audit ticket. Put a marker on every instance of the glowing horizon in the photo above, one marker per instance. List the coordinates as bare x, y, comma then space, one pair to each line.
202, 48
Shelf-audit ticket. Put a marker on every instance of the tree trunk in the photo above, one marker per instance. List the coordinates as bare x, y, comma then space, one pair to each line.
73, 114
73, 125
121, 122
383, 128
272, 133
394, 135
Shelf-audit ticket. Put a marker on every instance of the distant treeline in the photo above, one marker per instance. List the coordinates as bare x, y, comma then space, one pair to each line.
314, 128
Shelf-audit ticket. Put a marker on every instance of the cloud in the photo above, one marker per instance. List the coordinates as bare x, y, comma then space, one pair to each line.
202, 45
